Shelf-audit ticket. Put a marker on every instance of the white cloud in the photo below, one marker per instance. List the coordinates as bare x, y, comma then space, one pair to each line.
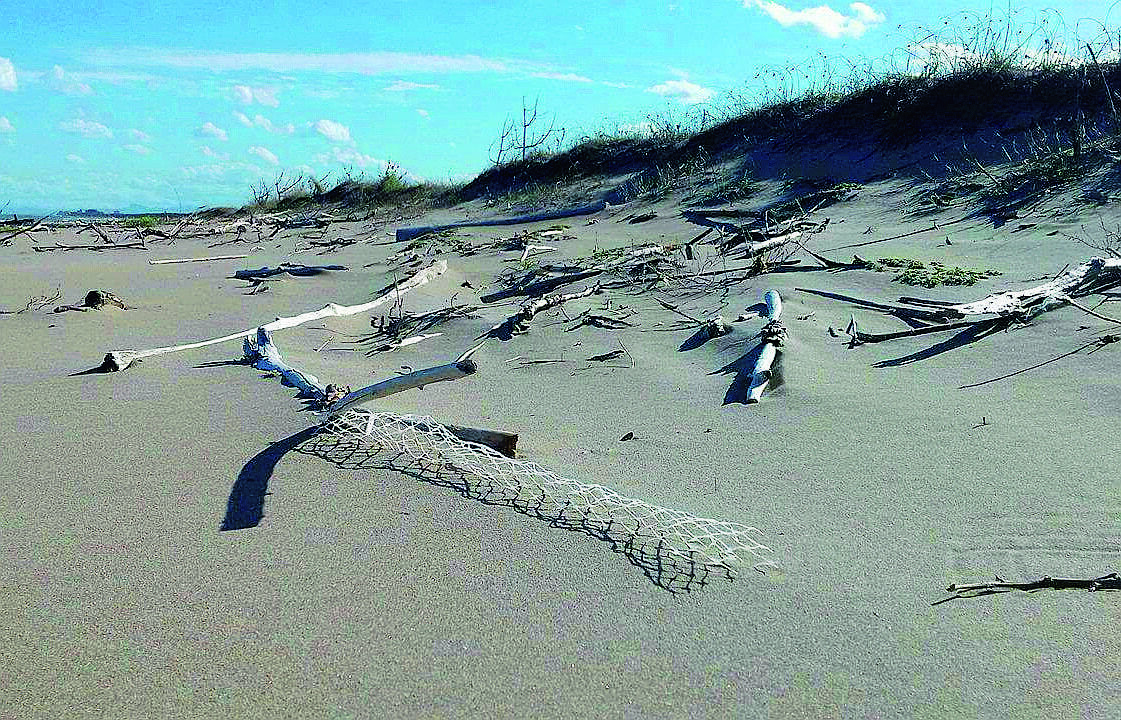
566, 77
405, 85
263, 122
59, 81
6, 125
266, 96
422, 112
823, 18
247, 95
207, 151
139, 135
86, 128
78, 159
138, 149
7, 75
265, 154
685, 92
350, 156
375, 63
209, 129
243, 93
334, 131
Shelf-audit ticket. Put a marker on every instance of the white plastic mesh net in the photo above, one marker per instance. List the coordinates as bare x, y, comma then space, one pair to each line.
676, 550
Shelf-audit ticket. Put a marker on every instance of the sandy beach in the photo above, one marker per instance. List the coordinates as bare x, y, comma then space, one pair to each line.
375, 593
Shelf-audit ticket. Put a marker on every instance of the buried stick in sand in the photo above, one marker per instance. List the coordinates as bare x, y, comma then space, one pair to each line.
120, 359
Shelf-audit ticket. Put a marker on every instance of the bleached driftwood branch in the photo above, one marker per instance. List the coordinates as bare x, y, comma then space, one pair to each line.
120, 359
774, 334
518, 323
1092, 276
265, 356
460, 368
174, 261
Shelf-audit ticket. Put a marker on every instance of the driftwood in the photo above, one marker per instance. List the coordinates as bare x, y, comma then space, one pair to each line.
415, 232
211, 258
518, 323
1112, 581
264, 355
97, 231
136, 245
996, 310
7, 239
774, 335
541, 287
296, 270
94, 300
120, 359
460, 368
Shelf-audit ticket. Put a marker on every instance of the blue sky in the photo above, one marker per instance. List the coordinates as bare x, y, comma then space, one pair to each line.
171, 106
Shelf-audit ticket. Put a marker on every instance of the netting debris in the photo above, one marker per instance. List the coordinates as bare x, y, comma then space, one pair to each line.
677, 551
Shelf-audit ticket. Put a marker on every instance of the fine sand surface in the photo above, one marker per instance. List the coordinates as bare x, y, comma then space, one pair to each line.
377, 594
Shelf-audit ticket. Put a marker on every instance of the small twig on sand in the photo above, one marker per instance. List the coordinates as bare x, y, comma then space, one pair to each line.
1096, 343
174, 261
1112, 581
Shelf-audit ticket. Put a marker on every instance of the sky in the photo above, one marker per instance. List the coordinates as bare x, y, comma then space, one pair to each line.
149, 106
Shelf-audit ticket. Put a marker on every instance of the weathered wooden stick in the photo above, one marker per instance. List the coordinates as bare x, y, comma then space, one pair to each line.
120, 359
406, 342
173, 261
519, 321
7, 239
1112, 581
137, 245
461, 368
861, 337
539, 248
541, 287
773, 335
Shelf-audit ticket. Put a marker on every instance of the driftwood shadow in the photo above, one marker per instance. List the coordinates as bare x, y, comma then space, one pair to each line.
965, 337
246, 505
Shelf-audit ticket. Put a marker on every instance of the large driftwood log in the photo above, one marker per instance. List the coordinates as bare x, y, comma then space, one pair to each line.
1094, 275
774, 334
120, 359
